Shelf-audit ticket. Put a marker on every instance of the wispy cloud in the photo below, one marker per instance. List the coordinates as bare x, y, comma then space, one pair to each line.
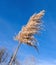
46, 62
33, 61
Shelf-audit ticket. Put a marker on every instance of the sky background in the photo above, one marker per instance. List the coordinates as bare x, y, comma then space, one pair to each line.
15, 13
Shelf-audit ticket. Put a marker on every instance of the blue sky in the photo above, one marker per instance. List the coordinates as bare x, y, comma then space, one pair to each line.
15, 13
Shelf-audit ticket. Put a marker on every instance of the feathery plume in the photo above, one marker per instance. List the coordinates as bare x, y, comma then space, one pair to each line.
26, 35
